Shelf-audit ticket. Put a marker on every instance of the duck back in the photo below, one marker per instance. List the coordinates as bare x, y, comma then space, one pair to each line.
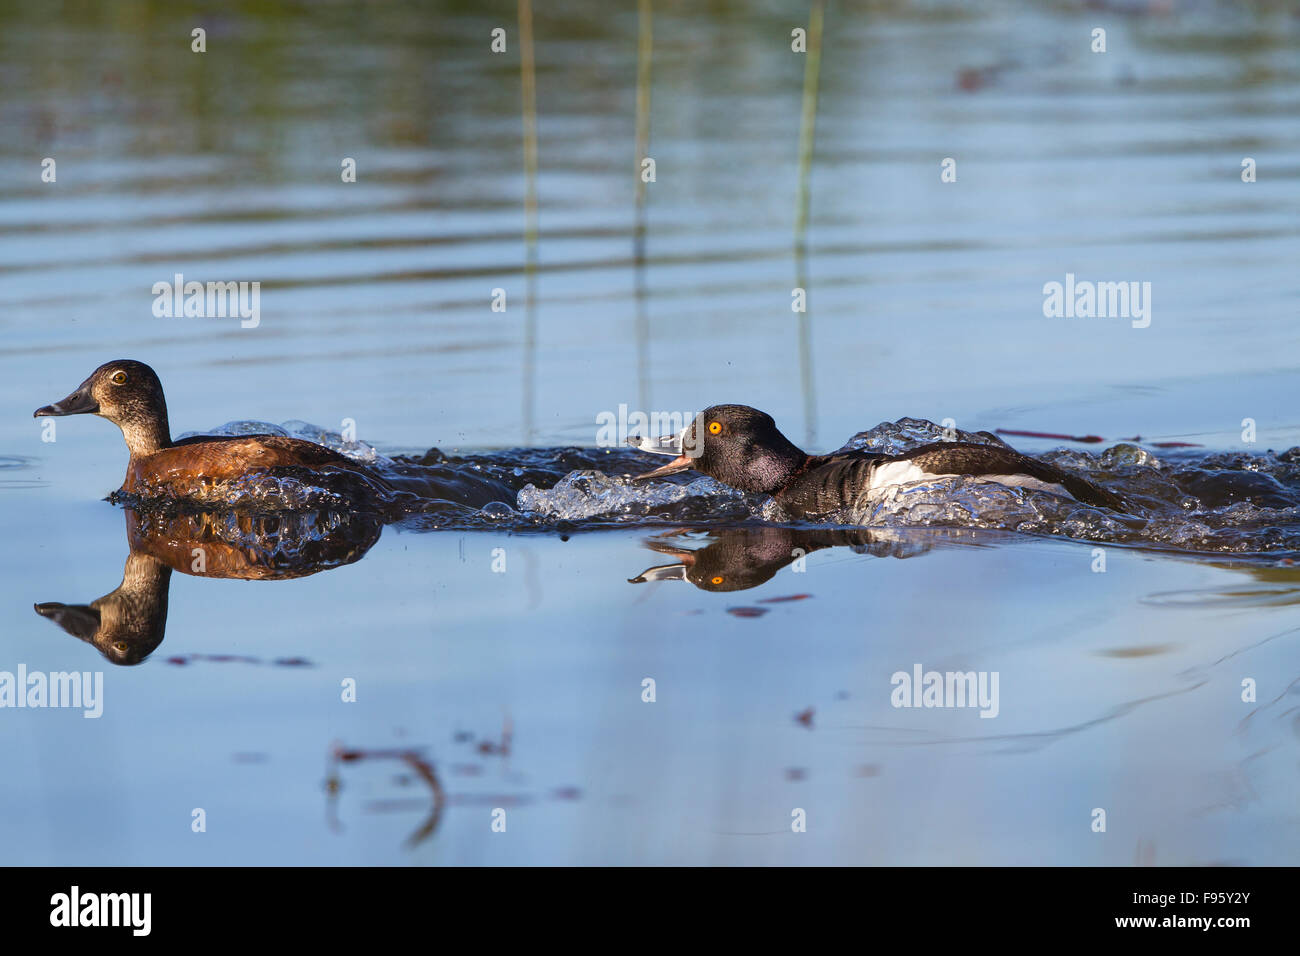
196, 464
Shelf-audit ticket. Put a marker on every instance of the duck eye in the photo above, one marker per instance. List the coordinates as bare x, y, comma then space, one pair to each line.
118, 378
717, 579
715, 428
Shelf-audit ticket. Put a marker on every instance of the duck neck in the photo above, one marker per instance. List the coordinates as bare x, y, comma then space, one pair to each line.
794, 467
144, 436
774, 468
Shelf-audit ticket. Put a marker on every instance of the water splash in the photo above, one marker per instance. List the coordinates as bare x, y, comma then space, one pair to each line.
1212, 502
354, 449
586, 495
894, 438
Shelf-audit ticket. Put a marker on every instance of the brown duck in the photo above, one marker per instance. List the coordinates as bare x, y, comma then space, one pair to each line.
129, 394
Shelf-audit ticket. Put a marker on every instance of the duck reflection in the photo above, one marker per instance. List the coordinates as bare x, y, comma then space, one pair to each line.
127, 624
743, 558
739, 558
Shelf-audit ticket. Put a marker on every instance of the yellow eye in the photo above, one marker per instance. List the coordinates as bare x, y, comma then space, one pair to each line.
714, 429
718, 579
118, 378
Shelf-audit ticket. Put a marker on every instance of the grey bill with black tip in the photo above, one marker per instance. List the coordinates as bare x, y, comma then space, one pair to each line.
80, 402
671, 445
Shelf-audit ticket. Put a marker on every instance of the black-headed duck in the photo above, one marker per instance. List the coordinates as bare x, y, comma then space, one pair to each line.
741, 447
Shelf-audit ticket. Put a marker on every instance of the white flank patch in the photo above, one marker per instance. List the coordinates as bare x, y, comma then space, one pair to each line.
899, 473
905, 472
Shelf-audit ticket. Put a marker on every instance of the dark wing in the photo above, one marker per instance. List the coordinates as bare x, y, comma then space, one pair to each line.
831, 481
202, 439
267, 451
961, 458
300, 448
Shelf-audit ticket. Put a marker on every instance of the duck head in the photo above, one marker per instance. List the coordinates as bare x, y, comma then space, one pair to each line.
130, 396
734, 444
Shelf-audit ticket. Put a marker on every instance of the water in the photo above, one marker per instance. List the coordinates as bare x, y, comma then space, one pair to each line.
498, 652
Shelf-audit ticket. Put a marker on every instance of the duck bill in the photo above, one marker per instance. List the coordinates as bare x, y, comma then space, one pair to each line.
79, 620
670, 445
679, 464
80, 402
666, 572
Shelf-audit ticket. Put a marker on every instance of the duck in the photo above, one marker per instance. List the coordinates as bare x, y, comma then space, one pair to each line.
130, 395
741, 447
